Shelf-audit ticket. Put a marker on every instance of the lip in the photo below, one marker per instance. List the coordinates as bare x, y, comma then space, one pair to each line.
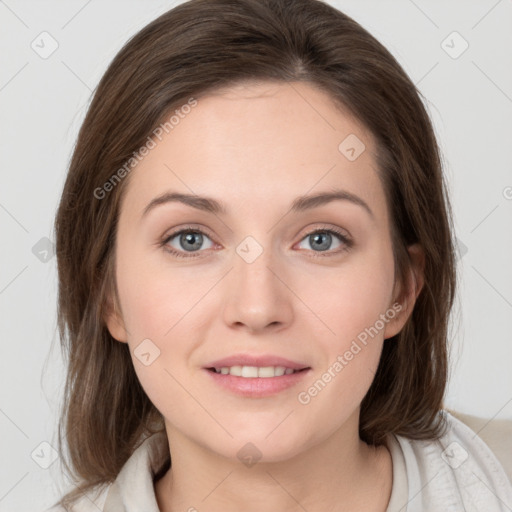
256, 360
256, 387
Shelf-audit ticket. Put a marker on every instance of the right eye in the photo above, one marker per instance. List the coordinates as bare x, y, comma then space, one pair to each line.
188, 240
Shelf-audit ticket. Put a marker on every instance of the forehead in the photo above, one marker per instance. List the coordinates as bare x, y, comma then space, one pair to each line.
258, 143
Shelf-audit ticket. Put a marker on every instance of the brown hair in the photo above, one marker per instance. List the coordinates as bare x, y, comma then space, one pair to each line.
193, 49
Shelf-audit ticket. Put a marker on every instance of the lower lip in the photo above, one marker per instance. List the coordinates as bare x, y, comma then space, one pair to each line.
257, 387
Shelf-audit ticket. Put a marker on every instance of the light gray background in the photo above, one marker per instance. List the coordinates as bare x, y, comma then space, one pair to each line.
43, 102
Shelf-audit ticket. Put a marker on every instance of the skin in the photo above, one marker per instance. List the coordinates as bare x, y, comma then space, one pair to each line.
256, 147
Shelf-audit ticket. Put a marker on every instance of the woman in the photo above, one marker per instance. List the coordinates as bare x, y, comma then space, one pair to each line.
256, 269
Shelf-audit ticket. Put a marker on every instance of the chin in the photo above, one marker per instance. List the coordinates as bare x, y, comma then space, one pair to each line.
267, 445
259, 450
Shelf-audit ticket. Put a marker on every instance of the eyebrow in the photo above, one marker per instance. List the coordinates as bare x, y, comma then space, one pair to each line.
300, 204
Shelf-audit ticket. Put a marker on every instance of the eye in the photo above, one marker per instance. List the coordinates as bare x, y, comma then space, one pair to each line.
321, 239
188, 240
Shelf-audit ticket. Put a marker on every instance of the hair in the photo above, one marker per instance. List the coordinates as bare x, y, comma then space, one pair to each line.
195, 48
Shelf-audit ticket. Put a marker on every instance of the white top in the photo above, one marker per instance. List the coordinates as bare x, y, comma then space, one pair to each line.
459, 472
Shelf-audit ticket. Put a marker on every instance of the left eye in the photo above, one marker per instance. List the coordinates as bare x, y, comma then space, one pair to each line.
321, 240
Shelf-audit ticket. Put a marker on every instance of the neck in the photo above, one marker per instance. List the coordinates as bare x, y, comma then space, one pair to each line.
341, 473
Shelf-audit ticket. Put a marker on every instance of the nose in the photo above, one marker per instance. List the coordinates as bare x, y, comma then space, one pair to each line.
258, 297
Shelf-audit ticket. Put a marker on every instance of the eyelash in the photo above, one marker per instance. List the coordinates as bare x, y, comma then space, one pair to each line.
322, 254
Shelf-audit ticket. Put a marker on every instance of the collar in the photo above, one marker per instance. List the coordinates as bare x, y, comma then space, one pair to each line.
456, 472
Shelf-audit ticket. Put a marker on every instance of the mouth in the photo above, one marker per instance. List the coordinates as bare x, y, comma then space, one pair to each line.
252, 372
256, 376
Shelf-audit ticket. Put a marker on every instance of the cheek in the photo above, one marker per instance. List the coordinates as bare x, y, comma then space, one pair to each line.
354, 302
155, 299
159, 314
353, 298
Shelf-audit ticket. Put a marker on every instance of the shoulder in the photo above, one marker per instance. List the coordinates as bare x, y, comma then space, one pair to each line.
134, 484
459, 468
495, 433
94, 501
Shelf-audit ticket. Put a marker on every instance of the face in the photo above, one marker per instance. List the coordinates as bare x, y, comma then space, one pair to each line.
257, 279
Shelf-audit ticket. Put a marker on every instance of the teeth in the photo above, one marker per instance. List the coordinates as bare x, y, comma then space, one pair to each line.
235, 370
266, 371
279, 370
249, 371
254, 371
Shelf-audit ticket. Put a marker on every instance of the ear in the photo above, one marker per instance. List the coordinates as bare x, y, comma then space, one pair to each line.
114, 320
408, 292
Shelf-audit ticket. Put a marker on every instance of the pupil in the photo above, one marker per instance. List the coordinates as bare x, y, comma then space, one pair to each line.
325, 245
189, 238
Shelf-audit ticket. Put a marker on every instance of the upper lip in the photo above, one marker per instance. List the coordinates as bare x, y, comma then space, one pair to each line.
256, 360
